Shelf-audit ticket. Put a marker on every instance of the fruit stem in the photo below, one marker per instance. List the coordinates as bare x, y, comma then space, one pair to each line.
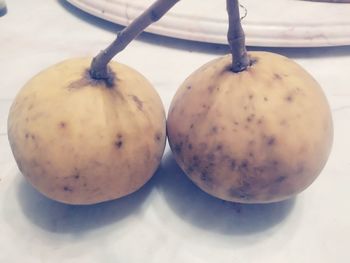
236, 38
99, 68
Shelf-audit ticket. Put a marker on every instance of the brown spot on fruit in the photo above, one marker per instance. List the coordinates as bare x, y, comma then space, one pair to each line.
189, 87
280, 179
243, 167
190, 146
118, 144
158, 137
192, 125
239, 192
266, 99
233, 164
30, 106
189, 169
76, 176
251, 96
205, 177
277, 76
27, 135
250, 118
195, 163
236, 123
138, 102
275, 163
289, 98
67, 189
33, 137
219, 147
271, 141
178, 147
214, 129
62, 124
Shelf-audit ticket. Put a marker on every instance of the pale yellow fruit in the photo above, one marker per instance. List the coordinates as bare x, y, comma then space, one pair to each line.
258, 136
79, 141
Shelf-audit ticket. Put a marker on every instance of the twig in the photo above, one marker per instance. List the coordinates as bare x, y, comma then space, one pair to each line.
236, 38
99, 69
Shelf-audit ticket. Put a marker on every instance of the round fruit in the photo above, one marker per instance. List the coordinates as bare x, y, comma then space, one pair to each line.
82, 141
261, 135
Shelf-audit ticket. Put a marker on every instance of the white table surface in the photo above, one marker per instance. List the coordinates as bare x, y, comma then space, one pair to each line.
169, 220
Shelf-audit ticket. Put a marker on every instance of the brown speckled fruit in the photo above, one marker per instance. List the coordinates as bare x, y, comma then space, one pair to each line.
79, 141
261, 135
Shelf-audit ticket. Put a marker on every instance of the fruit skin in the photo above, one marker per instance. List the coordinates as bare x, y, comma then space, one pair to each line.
262, 135
79, 141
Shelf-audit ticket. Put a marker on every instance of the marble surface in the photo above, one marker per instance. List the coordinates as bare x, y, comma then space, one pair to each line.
169, 220
275, 23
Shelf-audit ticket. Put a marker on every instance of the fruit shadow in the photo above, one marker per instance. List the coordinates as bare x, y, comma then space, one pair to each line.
211, 214
3, 11
208, 48
58, 217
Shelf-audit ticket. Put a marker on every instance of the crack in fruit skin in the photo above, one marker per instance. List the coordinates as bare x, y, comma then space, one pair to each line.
264, 137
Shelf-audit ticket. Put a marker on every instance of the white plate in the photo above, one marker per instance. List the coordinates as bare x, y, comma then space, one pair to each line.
283, 23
